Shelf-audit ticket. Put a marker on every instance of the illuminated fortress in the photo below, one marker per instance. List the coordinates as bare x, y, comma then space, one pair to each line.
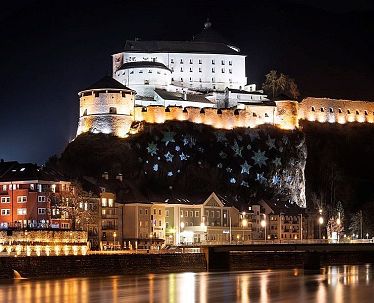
201, 81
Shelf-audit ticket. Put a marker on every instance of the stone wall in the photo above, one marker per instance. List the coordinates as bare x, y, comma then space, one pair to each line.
91, 265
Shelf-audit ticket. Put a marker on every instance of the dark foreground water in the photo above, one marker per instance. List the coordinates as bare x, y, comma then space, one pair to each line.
353, 284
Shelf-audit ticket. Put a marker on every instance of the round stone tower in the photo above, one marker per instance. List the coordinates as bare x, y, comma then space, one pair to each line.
106, 106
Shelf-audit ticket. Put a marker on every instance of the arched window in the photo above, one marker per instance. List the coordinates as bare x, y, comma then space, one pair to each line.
112, 110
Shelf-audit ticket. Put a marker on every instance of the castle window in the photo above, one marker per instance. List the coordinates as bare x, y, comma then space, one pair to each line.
348, 111
230, 71
190, 69
340, 110
172, 79
181, 69
213, 62
131, 72
190, 79
331, 110
230, 62
254, 115
191, 62
181, 61
212, 79
199, 61
366, 112
172, 69
96, 94
146, 82
266, 115
171, 60
85, 112
357, 112
313, 109
181, 79
199, 79
158, 72
223, 62
150, 72
112, 110
199, 69
213, 70
322, 109
140, 72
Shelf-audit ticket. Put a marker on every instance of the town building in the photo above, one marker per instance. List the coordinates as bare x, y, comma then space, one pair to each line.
26, 192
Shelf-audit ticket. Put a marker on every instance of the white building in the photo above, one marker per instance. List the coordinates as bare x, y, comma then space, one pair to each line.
205, 64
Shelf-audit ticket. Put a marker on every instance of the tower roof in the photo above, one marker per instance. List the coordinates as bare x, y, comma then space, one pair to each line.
107, 82
208, 34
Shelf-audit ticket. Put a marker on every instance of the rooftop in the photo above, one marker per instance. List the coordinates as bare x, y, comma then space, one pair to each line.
140, 64
107, 82
166, 95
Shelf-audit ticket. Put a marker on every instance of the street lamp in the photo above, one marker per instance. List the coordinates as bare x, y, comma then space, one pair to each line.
114, 239
263, 224
182, 227
244, 224
320, 221
338, 222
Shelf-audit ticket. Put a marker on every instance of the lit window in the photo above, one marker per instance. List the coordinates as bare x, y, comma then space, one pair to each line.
21, 211
104, 202
110, 203
196, 213
4, 187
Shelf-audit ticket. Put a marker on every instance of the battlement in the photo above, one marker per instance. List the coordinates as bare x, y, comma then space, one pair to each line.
283, 114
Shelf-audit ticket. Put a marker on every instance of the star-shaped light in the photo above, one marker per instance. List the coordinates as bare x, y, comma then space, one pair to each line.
152, 149
168, 157
177, 148
183, 157
237, 149
232, 181
277, 161
189, 140
170, 173
229, 170
219, 165
260, 158
270, 143
289, 179
260, 178
221, 137
155, 167
276, 180
245, 168
168, 137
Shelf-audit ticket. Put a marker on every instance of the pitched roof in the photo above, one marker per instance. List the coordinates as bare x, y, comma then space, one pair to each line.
107, 82
209, 35
30, 171
180, 47
166, 95
140, 64
5, 166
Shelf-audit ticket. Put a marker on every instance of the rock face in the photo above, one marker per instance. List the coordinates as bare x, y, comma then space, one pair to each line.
183, 159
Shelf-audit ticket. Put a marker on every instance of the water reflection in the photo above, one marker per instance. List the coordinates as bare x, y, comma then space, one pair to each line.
332, 284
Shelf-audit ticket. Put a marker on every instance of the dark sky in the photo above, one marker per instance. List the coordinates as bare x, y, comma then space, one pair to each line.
52, 49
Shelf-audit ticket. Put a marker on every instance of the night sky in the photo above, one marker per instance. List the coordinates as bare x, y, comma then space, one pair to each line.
52, 49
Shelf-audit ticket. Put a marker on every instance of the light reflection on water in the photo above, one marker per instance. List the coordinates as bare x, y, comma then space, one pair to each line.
353, 284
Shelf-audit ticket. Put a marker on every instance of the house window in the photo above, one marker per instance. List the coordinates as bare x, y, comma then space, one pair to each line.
181, 69
266, 115
181, 79
212, 79
196, 213
340, 110
159, 212
5, 212
154, 211
331, 110
223, 62
112, 110
357, 112
104, 202
4, 187
212, 213
366, 112
223, 70
322, 109
199, 61
190, 69
22, 199
230, 62
21, 211
181, 61
5, 199
140, 72
171, 60
213, 62
146, 211
41, 198
230, 71
191, 62
167, 213
199, 69
149, 71
159, 223
110, 203
41, 211
186, 213
213, 70
191, 214
140, 211
348, 111
190, 79
166, 224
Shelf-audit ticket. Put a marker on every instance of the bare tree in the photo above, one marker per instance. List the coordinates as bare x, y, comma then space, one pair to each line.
271, 83
276, 84
293, 89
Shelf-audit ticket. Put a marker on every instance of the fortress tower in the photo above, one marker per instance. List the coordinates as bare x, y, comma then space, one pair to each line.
106, 106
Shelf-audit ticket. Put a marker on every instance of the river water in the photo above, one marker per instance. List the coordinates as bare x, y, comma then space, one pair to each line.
353, 284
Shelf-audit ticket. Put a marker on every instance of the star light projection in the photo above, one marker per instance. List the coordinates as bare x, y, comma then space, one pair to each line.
254, 160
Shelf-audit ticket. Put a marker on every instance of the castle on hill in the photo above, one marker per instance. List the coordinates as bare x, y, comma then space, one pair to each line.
202, 81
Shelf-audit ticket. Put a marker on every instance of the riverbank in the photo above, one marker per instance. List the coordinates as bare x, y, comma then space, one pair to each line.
140, 263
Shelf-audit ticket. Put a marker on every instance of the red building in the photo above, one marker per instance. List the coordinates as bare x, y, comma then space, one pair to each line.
25, 196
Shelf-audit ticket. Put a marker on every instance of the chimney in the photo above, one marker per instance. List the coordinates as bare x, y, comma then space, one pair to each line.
105, 175
119, 177
185, 95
